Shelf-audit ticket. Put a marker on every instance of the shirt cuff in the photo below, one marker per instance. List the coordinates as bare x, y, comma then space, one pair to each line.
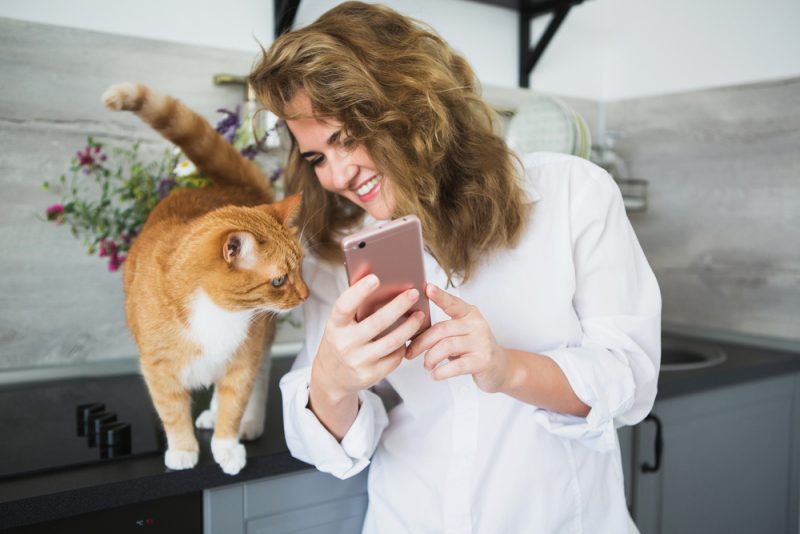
603, 382
308, 440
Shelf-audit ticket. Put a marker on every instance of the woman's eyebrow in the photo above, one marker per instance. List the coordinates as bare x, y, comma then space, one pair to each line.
331, 140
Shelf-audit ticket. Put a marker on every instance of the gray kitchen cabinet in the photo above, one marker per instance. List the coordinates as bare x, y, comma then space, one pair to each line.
723, 466
625, 435
309, 501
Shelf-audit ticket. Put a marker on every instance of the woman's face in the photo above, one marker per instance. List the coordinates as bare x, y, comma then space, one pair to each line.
342, 169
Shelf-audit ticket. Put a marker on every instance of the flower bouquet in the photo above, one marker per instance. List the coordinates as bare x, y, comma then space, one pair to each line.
110, 190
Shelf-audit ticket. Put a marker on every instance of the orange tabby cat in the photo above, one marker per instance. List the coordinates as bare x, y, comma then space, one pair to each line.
203, 280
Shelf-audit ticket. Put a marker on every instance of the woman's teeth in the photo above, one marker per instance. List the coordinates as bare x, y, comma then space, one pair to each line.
367, 187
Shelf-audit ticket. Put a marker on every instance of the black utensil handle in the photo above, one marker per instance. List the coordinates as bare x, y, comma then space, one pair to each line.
659, 446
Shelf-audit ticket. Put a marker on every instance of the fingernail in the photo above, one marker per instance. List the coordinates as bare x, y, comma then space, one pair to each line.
372, 280
413, 294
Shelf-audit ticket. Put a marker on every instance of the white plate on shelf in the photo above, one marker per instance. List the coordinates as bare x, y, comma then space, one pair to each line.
543, 124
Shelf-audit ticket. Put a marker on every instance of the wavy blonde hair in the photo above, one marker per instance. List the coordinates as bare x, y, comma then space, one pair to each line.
400, 91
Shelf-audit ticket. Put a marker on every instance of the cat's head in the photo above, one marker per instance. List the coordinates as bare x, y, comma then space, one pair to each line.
256, 257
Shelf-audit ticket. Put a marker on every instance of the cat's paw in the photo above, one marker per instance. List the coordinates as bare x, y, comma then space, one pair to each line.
177, 459
229, 454
250, 429
120, 96
205, 419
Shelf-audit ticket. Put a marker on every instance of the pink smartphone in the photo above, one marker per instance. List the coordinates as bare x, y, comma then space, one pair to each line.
393, 252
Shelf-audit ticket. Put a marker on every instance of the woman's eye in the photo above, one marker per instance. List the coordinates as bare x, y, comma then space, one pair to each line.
315, 161
278, 282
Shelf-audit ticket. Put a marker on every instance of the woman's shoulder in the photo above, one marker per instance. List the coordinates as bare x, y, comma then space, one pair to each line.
558, 168
546, 173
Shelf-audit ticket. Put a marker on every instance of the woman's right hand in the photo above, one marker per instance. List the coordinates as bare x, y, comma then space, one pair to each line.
349, 358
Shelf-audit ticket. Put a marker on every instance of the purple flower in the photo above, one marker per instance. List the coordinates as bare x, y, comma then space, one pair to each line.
276, 174
165, 186
249, 151
228, 125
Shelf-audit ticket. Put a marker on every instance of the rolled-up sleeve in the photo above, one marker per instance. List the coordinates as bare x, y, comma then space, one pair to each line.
614, 369
308, 440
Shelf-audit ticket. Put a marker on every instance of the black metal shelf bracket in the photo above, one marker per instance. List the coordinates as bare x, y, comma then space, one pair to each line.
284, 14
529, 56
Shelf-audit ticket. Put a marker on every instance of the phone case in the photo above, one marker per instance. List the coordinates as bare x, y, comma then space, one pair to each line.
392, 251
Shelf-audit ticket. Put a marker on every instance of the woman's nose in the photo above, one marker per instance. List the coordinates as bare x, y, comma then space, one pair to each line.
343, 171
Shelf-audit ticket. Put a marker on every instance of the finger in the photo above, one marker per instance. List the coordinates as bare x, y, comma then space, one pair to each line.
397, 338
435, 334
449, 347
387, 364
458, 367
388, 314
450, 304
344, 309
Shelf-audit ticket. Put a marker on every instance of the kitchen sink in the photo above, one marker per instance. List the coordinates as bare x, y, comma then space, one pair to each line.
685, 356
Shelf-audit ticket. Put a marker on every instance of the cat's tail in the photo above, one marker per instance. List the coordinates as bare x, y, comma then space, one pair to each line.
213, 155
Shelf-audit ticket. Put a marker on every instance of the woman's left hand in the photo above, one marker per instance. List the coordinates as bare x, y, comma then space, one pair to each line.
466, 339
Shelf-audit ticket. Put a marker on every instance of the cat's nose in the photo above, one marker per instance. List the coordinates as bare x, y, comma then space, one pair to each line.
302, 292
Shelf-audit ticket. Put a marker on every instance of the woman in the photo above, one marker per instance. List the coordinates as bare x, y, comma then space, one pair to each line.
545, 332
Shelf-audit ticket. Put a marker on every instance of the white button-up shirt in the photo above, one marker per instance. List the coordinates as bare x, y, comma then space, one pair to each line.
452, 458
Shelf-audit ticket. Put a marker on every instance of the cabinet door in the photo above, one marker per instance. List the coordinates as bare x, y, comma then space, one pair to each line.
626, 445
307, 501
725, 460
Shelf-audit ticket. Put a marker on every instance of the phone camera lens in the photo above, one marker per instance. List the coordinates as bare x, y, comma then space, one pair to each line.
362, 244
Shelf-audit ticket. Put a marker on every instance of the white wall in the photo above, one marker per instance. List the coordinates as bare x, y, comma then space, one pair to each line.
605, 50
230, 24
617, 49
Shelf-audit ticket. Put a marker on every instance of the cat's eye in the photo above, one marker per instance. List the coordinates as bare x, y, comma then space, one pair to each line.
278, 282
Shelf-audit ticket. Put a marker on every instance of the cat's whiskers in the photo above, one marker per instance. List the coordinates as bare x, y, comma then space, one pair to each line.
303, 229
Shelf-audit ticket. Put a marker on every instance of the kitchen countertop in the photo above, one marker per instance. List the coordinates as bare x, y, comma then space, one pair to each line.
64, 493
68, 492
743, 363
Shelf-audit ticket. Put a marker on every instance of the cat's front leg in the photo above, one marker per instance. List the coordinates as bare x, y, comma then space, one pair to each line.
233, 393
252, 425
173, 404
207, 417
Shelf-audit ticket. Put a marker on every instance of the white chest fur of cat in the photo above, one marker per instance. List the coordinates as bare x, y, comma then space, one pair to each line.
218, 333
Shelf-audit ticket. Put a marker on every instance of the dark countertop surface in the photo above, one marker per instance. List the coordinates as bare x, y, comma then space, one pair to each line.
67, 492
743, 363
72, 491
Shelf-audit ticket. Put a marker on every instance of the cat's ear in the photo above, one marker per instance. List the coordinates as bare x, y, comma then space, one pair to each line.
239, 249
285, 211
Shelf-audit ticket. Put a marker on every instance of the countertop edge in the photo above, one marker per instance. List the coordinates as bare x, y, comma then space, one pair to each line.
118, 493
